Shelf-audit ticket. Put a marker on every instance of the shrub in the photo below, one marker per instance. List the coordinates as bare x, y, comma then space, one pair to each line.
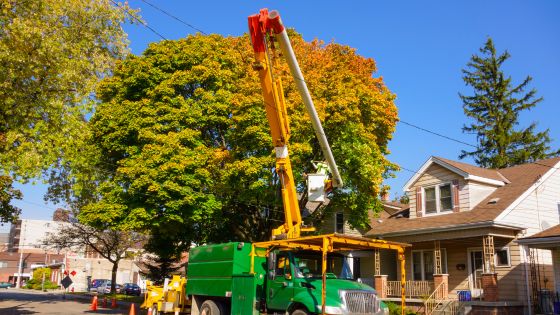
37, 284
38, 273
395, 309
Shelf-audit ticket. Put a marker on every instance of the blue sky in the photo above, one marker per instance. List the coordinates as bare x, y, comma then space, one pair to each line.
420, 48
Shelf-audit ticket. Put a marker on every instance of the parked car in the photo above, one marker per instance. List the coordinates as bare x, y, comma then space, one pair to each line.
95, 283
131, 289
5, 285
105, 288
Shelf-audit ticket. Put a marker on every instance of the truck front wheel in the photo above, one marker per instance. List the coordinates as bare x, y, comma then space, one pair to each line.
210, 307
299, 312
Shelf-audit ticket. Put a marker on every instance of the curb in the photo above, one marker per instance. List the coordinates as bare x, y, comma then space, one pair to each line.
86, 298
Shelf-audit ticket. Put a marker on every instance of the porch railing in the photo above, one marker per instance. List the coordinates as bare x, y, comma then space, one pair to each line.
413, 289
436, 299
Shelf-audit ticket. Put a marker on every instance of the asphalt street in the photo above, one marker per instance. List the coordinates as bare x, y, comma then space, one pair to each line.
13, 301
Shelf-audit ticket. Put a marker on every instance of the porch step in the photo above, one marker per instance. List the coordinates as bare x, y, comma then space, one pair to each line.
446, 308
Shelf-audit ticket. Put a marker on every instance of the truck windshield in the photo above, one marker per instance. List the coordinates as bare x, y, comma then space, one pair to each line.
308, 265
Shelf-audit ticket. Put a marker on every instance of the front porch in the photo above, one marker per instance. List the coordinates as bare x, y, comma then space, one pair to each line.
478, 272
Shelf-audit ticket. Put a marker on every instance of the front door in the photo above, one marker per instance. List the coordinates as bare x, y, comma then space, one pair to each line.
476, 263
281, 288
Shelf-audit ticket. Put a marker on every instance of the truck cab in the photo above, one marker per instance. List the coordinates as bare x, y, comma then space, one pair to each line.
295, 280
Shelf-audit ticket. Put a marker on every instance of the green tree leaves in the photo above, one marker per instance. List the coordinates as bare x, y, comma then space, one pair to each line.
52, 54
8, 213
183, 134
495, 108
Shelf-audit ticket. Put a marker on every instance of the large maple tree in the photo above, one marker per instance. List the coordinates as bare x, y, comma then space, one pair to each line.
181, 130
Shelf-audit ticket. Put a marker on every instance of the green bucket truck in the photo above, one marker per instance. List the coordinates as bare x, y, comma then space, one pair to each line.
292, 276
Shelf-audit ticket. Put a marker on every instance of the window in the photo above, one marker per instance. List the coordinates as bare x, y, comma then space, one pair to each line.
438, 199
445, 198
430, 205
282, 266
3, 264
423, 265
502, 257
339, 222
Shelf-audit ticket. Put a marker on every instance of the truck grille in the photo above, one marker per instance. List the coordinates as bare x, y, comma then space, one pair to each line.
360, 302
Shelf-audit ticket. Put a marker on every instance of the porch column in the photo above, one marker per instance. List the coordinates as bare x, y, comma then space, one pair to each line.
380, 281
556, 266
488, 254
489, 275
490, 287
381, 285
437, 258
377, 259
443, 280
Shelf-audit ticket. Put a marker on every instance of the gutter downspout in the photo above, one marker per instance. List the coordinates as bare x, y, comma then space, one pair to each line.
526, 269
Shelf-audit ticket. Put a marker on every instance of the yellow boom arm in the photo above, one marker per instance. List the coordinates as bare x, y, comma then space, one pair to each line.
279, 129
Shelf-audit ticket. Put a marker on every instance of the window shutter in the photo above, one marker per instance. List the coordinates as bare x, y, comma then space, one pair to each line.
419, 202
455, 194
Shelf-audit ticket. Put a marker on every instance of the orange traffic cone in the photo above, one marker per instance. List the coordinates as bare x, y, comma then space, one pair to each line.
132, 310
113, 303
93, 306
104, 302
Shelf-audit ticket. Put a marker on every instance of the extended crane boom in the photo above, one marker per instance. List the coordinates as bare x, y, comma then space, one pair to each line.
286, 48
261, 25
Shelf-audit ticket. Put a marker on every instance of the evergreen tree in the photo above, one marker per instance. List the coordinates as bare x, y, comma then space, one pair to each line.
495, 108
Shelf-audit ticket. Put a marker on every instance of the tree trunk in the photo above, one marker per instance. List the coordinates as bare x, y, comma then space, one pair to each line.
114, 277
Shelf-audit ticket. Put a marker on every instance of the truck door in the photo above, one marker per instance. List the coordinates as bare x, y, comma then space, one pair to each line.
281, 287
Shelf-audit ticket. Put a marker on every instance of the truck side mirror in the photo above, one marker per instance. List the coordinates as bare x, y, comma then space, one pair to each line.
271, 265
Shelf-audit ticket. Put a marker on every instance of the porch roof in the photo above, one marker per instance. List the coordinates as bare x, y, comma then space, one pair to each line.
549, 238
521, 178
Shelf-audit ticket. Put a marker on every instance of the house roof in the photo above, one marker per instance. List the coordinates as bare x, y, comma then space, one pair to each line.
475, 170
392, 207
467, 171
519, 180
550, 232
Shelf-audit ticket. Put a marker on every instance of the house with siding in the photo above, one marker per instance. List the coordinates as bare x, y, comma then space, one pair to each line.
463, 223
548, 239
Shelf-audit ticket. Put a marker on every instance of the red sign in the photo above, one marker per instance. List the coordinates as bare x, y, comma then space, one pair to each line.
73, 273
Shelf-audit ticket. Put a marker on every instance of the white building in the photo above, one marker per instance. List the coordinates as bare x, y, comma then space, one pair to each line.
28, 236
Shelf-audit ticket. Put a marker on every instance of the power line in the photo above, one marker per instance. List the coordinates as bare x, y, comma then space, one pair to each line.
437, 134
303, 80
174, 17
138, 20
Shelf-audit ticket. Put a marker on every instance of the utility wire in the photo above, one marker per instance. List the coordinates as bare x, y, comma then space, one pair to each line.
271, 209
138, 20
174, 17
437, 134
303, 80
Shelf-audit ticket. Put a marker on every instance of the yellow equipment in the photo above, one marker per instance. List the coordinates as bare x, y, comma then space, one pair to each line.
169, 298
265, 28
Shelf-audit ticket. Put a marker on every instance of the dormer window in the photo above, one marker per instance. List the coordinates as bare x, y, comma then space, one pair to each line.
438, 199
